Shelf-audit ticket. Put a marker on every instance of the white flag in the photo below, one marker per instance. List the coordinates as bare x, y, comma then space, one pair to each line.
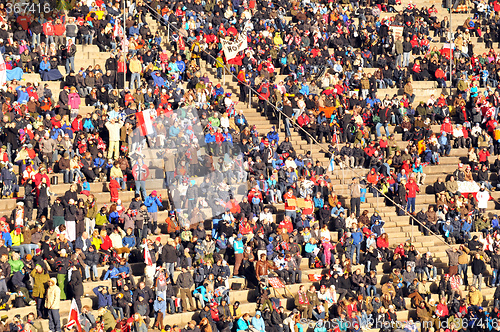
3, 71
231, 48
118, 30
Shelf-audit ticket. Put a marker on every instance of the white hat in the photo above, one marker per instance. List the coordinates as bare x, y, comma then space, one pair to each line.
20, 203
62, 252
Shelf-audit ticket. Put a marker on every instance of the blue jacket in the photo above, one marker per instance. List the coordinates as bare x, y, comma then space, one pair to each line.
318, 202
160, 306
238, 247
447, 229
201, 290
159, 81
22, 96
129, 241
258, 323
181, 66
152, 202
443, 140
99, 162
44, 65
79, 243
174, 131
209, 138
102, 300
124, 269
466, 227
111, 274
273, 136
132, 31
7, 238
310, 247
336, 211
242, 325
357, 237
304, 90
87, 124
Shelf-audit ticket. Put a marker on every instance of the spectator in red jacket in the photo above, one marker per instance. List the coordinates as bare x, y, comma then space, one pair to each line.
447, 126
77, 124
264, 93
483, 157
303, 120
59, 30
286, 223
48, 31
411, 194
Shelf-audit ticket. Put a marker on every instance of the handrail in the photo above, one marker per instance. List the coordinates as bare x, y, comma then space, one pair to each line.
164, 22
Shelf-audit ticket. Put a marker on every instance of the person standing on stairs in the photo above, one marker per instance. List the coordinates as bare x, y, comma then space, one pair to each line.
53, 303
264, 94
243, 84
355, 192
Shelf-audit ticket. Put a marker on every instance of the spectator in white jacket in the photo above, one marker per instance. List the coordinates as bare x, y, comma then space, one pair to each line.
114, 138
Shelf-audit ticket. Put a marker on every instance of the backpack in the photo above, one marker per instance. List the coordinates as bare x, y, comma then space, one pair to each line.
376, 119
256, 200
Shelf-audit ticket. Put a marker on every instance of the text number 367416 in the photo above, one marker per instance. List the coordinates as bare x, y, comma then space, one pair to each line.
28, 8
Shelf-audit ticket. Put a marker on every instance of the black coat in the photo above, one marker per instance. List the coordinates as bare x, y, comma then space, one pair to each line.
76, 283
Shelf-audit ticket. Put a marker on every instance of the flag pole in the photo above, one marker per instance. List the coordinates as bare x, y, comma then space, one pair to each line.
123, 46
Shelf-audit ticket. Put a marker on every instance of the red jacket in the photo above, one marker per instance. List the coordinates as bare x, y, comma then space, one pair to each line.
48, 28
303, 120
286, 197
483, 156
264, 91
447, 127
412, 188
286, 225
77, 125
59, 29
106, 243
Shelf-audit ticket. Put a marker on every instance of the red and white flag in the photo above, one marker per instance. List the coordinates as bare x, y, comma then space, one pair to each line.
118, 30
147, 257
74, 317
145, 123
3, 71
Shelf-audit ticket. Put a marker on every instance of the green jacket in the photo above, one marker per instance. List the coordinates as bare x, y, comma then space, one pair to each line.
40, 281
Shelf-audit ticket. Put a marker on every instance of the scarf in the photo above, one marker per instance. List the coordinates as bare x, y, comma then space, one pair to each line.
301, 299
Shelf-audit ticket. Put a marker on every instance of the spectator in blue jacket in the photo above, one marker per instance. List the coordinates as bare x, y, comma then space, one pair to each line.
336, 210
160, 307
133, 30
273, 135
83, 242
448, 232
152, 202
129, 240
114, 274
258, 322
357, 238
7, 239
311, 251
243, 323
444, 144
466, 228
103, 297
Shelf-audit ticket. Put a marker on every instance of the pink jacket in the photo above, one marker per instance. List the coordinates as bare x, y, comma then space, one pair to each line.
74, 100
